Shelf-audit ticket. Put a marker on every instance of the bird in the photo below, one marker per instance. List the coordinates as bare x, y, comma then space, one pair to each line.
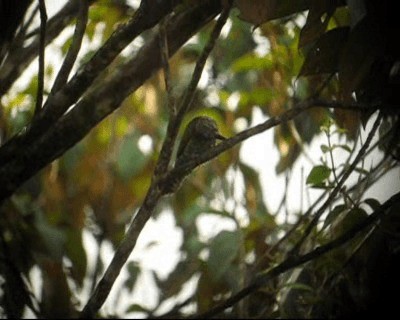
199, 136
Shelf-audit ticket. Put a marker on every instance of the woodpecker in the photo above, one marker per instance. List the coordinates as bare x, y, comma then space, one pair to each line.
200, 135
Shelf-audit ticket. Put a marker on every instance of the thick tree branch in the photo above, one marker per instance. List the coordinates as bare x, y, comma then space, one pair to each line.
263, 278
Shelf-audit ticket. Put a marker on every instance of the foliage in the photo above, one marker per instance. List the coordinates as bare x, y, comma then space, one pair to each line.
84, 174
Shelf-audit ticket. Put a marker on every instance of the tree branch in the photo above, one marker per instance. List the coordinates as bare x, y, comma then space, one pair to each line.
122, 254
166, 68
73, 51
180, 172
18, 59
42, 37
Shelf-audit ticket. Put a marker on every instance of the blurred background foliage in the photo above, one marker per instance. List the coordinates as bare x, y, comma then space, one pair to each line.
271, 55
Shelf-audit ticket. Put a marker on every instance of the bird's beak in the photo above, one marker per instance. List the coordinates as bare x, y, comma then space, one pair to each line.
218, 136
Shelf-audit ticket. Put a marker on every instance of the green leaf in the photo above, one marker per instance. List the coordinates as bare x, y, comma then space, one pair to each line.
53, 238
250, 62
318, 175
325, 148
345, 147
223, 250
130, 159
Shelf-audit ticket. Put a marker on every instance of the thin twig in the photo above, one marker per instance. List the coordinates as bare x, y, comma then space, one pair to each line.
335, 178
284, 198
43, 22
21, 35
73, 51
18, 60
338, 187
165, 55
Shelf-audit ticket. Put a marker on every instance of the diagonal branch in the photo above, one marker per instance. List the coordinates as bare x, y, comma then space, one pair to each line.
42, 37
166, 67
183, 170
17, 60
73, 51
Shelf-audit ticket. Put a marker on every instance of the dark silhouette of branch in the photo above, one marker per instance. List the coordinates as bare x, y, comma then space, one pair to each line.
166, 68
73, 51
22, 31
11, 18
42, 37
294, 261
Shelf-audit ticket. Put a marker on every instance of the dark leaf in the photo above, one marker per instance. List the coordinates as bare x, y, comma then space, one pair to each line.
317, 20
332, 215
373, 203
364, 44
323, 56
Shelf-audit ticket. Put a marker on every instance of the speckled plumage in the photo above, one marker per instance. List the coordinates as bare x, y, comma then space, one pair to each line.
200, 135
